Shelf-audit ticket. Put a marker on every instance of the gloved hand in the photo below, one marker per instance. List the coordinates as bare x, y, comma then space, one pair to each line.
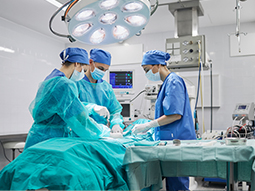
142, 128
102, 111
117, 129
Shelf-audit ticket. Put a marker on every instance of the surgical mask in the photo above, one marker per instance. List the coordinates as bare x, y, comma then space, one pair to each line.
97, 74
77, 76
153, 77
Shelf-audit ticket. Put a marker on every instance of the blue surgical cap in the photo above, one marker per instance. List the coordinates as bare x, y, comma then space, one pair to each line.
100, 56
74, 55
153, 57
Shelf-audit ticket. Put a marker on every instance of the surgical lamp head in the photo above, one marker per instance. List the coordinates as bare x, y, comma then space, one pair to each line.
104, 21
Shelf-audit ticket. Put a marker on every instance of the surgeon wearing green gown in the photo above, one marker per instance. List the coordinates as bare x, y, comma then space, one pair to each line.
98, 95
57, 110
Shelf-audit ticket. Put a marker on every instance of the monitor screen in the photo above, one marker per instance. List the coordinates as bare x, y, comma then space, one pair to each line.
242, 107
121, 79
125, 110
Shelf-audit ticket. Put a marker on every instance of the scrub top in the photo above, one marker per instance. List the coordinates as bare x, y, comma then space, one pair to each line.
58, 112
172, 99
100, 93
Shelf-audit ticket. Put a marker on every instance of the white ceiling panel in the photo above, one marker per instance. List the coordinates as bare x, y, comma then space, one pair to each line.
35, 14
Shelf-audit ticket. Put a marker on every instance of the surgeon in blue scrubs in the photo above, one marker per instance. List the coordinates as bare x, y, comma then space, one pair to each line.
97, 94
173, 118
57, 110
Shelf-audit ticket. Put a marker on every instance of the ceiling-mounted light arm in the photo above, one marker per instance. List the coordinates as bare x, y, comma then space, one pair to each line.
154, 8
53, 16
71, 4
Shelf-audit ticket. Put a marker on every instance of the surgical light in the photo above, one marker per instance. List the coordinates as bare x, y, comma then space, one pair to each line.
108, 18
84, 15
132, 7
120, 32
98, 36
108, 4
81, 29
6, 50
104, 21
136, 20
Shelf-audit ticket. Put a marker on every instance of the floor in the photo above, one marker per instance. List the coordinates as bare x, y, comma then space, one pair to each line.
205, 185
200, 185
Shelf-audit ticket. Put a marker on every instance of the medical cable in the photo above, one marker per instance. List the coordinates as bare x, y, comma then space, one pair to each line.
69, 7
211, 95
242, 127
201, 85
197, 96
199, 70
240, 121
137, 95
71, 39
4, 152
19, 151
233, 125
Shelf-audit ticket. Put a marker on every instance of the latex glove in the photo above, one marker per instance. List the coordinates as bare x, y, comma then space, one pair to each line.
142, 128
117, 129
102, 111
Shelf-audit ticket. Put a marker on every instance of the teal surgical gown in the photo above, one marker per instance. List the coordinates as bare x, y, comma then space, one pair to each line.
100, 93
58, 112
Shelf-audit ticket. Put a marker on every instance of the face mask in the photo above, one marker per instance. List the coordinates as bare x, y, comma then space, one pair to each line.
97, 74
77, 76
153, 77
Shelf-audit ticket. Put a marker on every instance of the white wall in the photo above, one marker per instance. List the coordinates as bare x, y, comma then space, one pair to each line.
35, 56
20, 72
236, 74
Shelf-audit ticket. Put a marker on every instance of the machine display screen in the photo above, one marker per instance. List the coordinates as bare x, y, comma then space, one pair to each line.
121, 79
126, 110
242, 106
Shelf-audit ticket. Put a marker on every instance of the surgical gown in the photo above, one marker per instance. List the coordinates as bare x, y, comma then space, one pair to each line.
173, 99
100, 93
58, 112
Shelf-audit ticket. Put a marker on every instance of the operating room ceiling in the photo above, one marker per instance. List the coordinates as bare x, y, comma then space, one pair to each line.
35, 14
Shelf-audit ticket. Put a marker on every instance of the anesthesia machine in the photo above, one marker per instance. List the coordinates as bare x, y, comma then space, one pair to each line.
122, 82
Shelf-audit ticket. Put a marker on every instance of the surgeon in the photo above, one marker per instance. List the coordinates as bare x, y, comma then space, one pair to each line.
57, 110
173, 118
98, 95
